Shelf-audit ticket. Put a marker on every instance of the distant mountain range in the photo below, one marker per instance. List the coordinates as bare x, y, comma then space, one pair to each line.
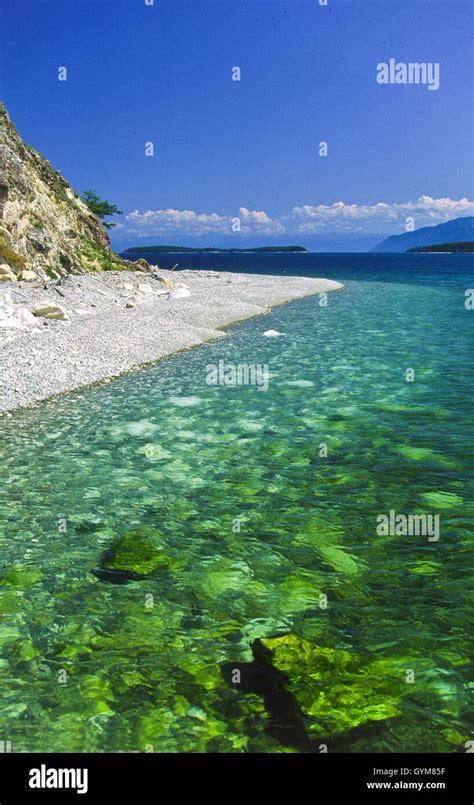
458, 230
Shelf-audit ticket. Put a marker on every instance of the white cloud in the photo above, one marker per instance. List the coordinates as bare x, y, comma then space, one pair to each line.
188, 222
361, 219
156, 222
372, 218
258, 222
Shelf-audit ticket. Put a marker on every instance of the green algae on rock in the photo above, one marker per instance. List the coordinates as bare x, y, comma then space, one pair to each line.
20, 576
340, 690
339, 560
139, 552
442, 500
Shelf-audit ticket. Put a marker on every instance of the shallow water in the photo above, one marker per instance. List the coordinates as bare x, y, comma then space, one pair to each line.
257, 524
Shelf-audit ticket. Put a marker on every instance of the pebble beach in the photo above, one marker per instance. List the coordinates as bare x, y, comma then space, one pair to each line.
95, 327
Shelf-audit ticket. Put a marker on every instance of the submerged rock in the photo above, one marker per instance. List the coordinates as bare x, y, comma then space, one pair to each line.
117, 576
442, 500
134, 555
340, 560
338, 689
143, 427
185, 402
20, 577
302, 384
285, 721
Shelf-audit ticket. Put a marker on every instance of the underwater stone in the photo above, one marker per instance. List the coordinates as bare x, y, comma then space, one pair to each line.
339, 689
20, 577
134, 555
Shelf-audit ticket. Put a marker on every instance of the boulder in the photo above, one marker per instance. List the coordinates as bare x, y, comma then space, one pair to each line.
180, 293
336, 689
165, 281
6, 274
5, 239
134, 555
15, 259
141, 265
145, 287
50, 312
6, 305
132, 301
27, 276
25, 316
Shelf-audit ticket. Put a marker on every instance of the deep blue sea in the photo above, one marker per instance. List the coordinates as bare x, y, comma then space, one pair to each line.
189, 567
364, 267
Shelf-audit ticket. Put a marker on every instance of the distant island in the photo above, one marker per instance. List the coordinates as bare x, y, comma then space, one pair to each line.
185, 249
466, 247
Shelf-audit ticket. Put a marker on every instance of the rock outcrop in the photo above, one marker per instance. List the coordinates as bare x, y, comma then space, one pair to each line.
46, 230
15, 316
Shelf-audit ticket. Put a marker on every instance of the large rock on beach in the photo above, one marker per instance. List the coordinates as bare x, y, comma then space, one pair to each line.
51, 312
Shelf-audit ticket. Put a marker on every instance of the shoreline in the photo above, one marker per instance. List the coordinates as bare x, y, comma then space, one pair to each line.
112, 330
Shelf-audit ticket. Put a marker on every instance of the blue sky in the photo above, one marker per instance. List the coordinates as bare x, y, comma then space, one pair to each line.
247, 149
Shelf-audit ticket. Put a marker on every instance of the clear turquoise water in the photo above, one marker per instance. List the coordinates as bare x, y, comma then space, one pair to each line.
161, 448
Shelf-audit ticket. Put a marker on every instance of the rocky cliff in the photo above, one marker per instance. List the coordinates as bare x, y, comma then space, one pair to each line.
46, 230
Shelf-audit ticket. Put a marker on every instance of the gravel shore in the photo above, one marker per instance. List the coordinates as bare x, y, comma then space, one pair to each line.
118, 321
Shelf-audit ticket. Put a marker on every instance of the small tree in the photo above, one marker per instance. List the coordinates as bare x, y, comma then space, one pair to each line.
99, 207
